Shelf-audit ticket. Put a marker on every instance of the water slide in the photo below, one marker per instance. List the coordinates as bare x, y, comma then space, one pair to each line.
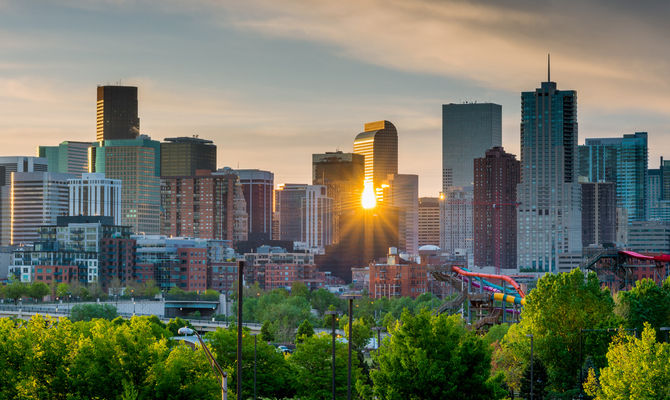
660, 257
520, 299
497, 296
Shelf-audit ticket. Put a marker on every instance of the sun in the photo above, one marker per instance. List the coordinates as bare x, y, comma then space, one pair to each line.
368, 200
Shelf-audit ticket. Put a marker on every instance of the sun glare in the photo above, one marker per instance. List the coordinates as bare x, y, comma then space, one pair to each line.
368, 199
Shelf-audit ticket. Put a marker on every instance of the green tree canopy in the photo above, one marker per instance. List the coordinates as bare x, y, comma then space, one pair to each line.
305, 330
37, 290
637, 369
87, 312
433, 357
645, 302
62, 290
267, 335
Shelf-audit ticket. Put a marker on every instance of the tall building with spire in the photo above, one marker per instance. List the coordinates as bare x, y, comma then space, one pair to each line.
379, 144
549, 213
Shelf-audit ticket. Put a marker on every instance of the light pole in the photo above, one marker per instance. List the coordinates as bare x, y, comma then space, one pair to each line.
334, 315
379, 337
215, 365
530, 335
255, 345
350, 297
132, 297
240, 297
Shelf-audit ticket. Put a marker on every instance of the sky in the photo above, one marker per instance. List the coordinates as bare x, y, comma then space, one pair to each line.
273, 81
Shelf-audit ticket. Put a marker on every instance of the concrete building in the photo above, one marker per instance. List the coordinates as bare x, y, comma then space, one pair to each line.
549, 214
623, 161
183, 156
38, 198
403, 193
257, 187
598, 213
136, 162
378, 143
649, 237
456, 224
93, 194
304, 214
468, 130
68, 157
428, 221
116, 113
207, 205
494, 212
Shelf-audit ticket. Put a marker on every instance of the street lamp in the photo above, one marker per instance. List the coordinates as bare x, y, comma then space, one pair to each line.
530, 335
334, 314
240, 297
215, 365
350, 297
379, 337
255, 344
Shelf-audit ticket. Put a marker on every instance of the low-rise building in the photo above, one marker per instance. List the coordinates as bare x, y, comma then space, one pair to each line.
397, 278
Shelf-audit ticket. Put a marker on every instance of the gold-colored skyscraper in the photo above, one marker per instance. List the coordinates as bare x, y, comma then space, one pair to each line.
379, 144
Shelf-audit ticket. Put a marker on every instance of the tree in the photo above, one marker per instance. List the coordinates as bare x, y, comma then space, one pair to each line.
540, 379
87, 312
62, 290
305, 330
433, 357
175, 323
15, 290
37, 290
321, 299
267, 334
645, 302
556, 313
312, 363
149, 289
361, 333
299, 288
637, 369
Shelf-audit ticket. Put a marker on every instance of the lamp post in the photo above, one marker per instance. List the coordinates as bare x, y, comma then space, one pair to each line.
379, 337
215, 365
255, 346
531, 365
132, 297
350, 297
240, 297
334, 315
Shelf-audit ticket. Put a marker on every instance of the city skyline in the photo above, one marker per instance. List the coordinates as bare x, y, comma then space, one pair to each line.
265, 76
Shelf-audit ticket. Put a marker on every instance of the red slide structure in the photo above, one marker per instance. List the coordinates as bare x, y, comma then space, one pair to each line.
659, 258
492, 276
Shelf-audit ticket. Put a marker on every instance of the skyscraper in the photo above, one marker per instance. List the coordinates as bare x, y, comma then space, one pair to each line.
68, 157
37, 199
403, 193
343, 175
623, 161
549, 216
379, 144
116, 113
598, 213
456, 227
468, 130
7, 166
305, 214
182, 156
494, 212
208, 205
95, 195
136, 162
258, 187
429, 221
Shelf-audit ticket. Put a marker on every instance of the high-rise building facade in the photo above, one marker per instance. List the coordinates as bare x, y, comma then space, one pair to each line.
456, 225
468, 130
37, 198
182, 156
429, 221
549, 216
403, 193
599, 219
68, 157
305, 214
378, 143
623, 161
7, 166
494, 211
209, 205
95, 195
136, 162
116, 113
258, 186
343, 175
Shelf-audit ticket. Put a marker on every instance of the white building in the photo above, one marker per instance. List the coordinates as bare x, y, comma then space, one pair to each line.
456, 227
95, 195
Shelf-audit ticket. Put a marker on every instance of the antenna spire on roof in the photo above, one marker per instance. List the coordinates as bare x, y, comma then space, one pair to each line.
548, 67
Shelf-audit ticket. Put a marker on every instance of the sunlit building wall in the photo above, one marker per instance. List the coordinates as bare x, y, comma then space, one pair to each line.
403, 193
116, 113
378, 143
